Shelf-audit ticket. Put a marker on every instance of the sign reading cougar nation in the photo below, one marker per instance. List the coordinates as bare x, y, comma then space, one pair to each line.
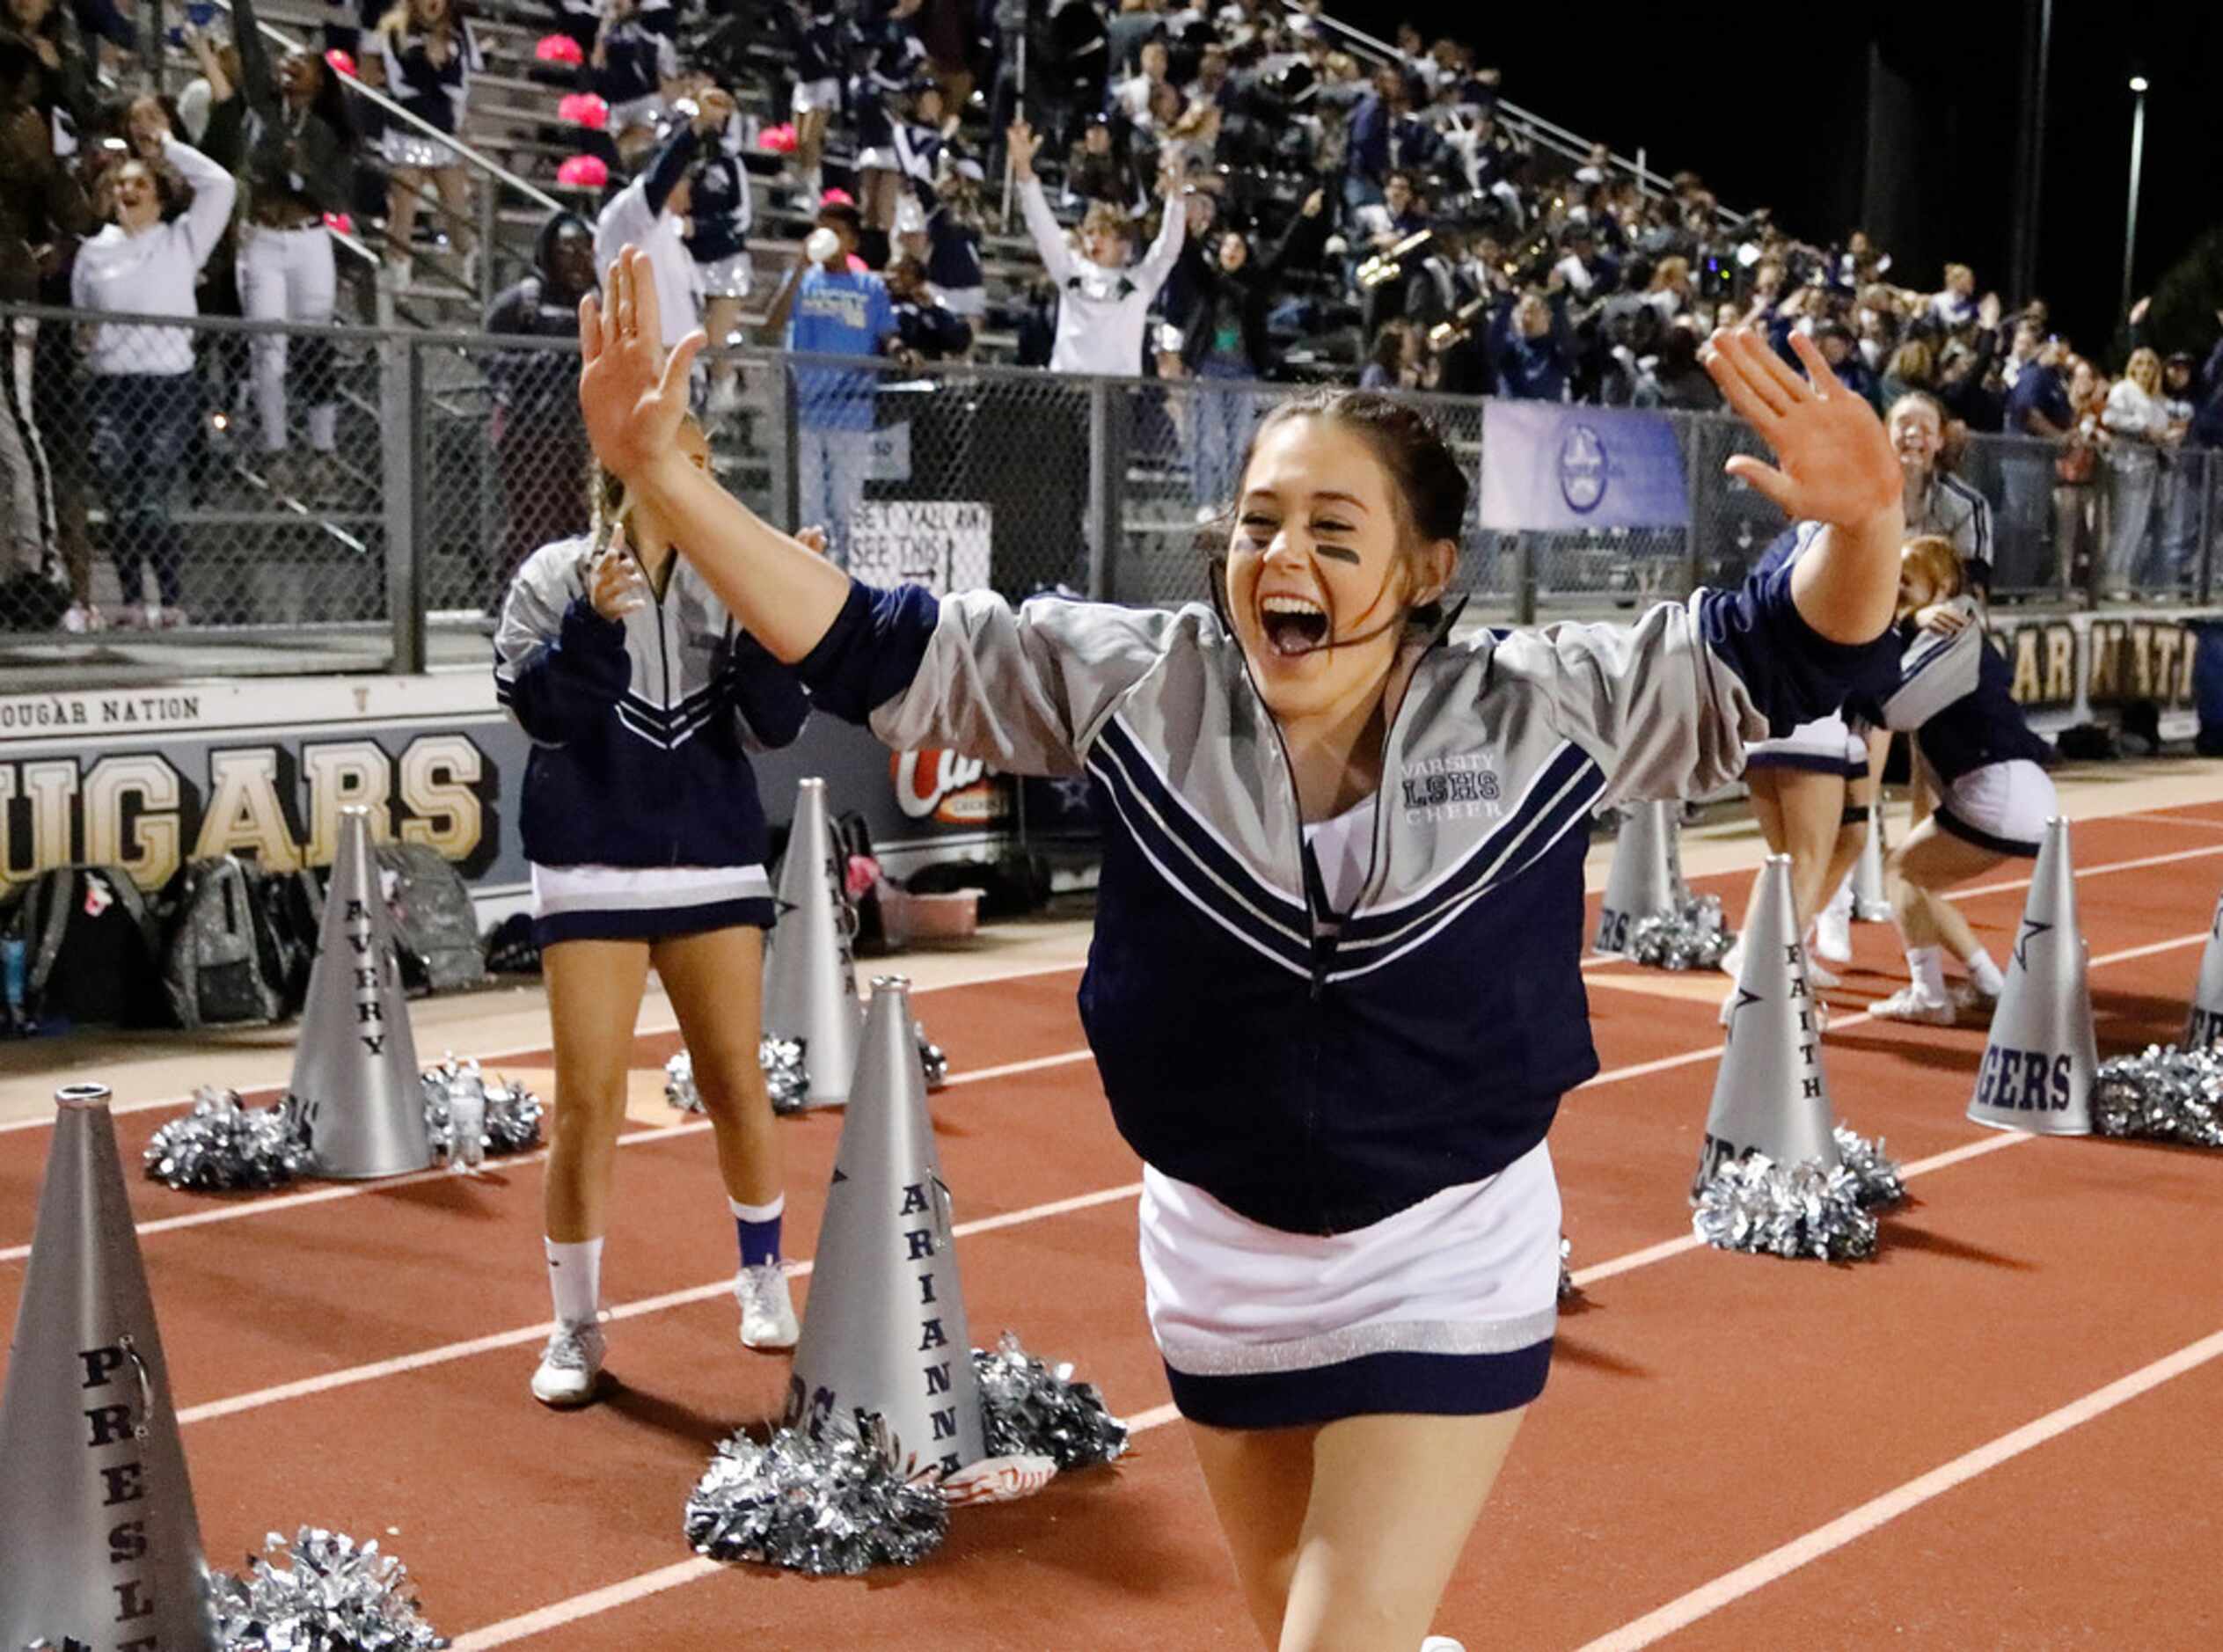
147, 779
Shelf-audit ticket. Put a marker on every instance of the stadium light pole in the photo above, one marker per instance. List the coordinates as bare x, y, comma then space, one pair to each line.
2138, 156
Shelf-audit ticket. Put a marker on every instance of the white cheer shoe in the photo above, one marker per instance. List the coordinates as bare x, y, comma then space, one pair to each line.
570, 1366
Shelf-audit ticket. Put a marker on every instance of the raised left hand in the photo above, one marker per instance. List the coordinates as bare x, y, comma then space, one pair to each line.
1833, 462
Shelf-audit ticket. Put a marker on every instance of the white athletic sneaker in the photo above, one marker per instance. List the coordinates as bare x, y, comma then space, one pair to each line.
1817, 978
570, 1366
767, 1316
1833, 935
1441, 1643
1910, 1003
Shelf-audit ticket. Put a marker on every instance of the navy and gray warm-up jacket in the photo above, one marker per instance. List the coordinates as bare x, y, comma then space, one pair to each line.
641, 728
1319, 1070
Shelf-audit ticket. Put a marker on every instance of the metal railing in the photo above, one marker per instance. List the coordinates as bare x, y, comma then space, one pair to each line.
492, 176
455, 456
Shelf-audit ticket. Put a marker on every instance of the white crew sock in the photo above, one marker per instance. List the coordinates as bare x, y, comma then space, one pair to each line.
574, 1279
1926, 964
1985, 973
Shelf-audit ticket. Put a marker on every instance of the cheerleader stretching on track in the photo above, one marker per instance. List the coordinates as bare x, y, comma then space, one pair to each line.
1984, 767
641, 820
1333, 991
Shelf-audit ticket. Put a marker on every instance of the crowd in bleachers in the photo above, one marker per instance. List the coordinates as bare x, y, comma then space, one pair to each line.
1240, 192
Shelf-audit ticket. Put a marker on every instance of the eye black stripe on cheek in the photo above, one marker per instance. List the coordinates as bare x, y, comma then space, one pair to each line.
1342, 553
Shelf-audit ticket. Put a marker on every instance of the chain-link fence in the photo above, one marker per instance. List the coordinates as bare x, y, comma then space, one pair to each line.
257, 481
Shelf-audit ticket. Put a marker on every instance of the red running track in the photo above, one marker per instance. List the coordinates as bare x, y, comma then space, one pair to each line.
360, 1361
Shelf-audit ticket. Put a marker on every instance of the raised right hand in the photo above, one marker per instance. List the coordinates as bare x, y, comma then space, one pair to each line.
632, 395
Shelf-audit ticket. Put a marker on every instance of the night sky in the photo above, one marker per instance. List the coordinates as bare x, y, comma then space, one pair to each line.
1724, 93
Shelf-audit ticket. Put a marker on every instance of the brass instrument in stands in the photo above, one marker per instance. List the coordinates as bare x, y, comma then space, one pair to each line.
1384, 267
1446, 334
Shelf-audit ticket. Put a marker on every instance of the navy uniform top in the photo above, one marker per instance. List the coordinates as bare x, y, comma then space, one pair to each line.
636, 61
641, 727
1953, 694
718, 216
1317, 1076
953, 251
433, 92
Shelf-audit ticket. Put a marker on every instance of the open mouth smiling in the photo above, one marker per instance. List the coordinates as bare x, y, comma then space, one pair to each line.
1293, 626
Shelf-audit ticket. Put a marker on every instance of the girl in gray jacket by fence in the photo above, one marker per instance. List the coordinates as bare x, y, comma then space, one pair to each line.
1334, 991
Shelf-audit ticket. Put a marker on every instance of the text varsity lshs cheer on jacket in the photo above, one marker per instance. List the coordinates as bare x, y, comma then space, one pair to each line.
1318, 1071
641, 728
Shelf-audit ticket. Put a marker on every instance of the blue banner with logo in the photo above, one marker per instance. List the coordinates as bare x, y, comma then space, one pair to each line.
1548, 466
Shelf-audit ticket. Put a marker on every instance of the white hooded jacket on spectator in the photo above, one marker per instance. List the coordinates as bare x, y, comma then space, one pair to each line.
1101, 313
153, 272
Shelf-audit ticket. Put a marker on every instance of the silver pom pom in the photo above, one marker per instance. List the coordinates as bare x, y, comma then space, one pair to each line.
1690, 935
1755, 1204
221, 1147
785, 1077
1033, 1410
2162, 1093
679, 1083
1569, 1291
930, 1057
834, 1506
784, 1074
1876, 1181
513, 1117
336, 1595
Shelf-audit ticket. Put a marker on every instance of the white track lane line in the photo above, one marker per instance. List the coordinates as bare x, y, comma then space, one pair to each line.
640, 1307
2174, 820
614, 1596
1666, 1248
253, 1206
1590, 961
1020, 973
1878, 1511
524, 1335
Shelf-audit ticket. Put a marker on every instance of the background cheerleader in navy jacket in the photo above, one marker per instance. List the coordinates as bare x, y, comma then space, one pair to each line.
1934, 501
634, 69
817, 45
1975, 751
901, 135
954, 232
641, 820
1334, 991
427, 56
